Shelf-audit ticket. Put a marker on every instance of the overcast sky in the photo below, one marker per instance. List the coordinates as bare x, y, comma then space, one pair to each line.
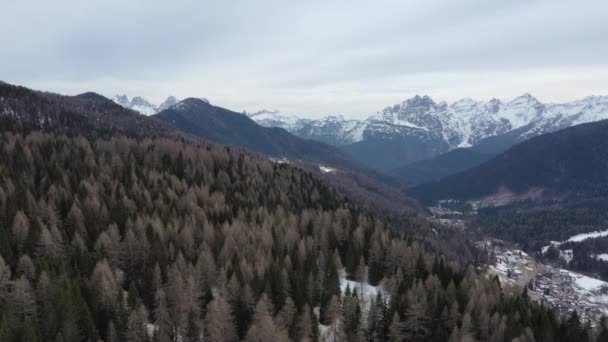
310, 58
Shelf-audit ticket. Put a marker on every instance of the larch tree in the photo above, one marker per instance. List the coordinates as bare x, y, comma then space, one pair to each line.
25, 266
219, 323
396, 329
137, 330
262, 326
21, 228
23, 299
162, 320
305, 325
105, 283
5, 278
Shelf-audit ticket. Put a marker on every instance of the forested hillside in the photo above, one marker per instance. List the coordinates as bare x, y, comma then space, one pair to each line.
131, 238
101, 237
361, 183
446, 164
568, 164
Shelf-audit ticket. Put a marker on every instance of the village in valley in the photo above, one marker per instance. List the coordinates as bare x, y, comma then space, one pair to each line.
565, 290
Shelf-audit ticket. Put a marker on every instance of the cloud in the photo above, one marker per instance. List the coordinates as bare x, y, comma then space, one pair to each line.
310, 58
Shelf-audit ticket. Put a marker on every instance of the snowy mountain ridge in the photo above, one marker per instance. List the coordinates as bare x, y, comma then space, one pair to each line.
143, 106
463, 123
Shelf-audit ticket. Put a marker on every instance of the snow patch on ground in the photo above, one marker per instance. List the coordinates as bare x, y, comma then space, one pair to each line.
592, 235
327, 169
603, 256
151, 329
281, 160
364, 288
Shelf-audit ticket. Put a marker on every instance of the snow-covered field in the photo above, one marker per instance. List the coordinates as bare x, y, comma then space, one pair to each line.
587, 283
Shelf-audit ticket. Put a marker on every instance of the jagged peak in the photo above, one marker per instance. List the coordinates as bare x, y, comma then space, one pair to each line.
266, 111
416, 101
334, 117
168, 103
525, 97
121, 98
139, 99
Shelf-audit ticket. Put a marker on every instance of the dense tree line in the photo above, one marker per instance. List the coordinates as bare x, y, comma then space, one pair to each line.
534, 225
125, 239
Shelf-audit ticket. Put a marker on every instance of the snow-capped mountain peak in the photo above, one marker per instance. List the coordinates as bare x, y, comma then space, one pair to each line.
144, 106
274, 118
122, 100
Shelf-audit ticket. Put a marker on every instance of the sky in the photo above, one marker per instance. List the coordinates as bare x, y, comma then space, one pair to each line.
310, 58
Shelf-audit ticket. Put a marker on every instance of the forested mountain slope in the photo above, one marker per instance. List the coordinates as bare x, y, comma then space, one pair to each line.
134, 238
96, 116
569, 164
221, 125
227, 127
441, 166
88, 113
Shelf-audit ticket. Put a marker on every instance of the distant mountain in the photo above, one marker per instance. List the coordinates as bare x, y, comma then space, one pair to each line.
420, 128
275, 118
441, 166
143, 106
565, 165
227, 127
92, 96
170, 101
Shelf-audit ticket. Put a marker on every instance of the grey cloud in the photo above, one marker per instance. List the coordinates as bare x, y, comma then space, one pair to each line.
312, 57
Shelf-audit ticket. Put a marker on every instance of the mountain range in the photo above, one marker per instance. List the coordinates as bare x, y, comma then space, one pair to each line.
420, 128
145, 107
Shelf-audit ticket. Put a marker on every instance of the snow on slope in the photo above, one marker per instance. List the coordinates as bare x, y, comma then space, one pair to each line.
577, 238
602, 256
327, 169
274, 119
